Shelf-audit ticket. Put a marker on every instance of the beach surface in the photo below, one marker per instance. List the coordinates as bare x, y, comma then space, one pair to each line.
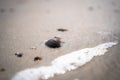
25, 25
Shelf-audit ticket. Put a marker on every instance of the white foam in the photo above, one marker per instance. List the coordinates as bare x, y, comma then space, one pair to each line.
64, 63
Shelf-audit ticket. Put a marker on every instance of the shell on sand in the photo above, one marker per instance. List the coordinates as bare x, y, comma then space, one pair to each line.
37, 58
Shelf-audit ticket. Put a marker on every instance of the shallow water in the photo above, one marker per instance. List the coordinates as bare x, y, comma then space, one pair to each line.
26, 23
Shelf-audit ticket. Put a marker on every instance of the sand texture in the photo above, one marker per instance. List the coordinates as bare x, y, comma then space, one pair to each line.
26, 24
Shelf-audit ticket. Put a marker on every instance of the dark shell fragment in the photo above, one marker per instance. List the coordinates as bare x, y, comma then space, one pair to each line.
37, 58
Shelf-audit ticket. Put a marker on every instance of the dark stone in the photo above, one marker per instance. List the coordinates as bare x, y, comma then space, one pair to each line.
53, 43
18, 54
62, 30
2, 69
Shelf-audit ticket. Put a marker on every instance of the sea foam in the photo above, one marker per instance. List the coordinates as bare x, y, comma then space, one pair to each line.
64, 63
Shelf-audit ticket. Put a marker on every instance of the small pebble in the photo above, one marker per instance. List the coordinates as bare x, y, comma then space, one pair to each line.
53, 43
37, 58
62, 30
2, 69
33, 48
19, 54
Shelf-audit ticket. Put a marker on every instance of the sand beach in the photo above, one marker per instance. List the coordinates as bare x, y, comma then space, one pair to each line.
25, 25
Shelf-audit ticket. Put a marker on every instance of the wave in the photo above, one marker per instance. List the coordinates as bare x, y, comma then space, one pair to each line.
64, 63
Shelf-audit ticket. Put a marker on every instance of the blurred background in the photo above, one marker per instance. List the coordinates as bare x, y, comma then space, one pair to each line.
28, 23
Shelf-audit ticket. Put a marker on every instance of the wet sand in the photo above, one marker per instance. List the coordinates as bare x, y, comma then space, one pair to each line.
27, 23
